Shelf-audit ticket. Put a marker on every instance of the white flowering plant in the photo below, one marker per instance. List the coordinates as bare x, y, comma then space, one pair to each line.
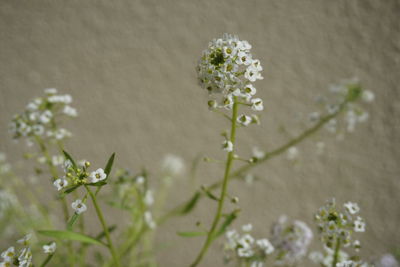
228, 71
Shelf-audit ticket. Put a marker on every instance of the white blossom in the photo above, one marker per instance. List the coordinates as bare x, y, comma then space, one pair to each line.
97, 175
78, 206
227, 146
60, 183
50, 248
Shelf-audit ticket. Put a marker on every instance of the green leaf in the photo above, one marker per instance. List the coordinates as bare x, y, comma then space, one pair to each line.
101, 183
69, 235
190, 204
109, 165
191, 234
228, 221
72, 221
211, 195
70, 189
103, 234
68, 156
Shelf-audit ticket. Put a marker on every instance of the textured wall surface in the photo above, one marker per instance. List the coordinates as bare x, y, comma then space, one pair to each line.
130, 66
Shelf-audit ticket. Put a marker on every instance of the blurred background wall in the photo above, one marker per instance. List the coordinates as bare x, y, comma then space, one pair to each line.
130, 66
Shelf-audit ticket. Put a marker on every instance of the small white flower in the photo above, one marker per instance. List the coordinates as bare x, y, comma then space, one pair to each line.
173, 164
252, 74
227, 146
38, 129
244, 58
25, 257
368, 96
140, 180
60, 183
351, 207
245, 252
359, 225
50, 248
25, 240
97, 175
257, 104
78, 206
293, 153
149, 220
228, 102
244, 120
348, 263
148, 198
57, 160
265, 245
247, 227
46, 116
8, 254
70, 111
250, 90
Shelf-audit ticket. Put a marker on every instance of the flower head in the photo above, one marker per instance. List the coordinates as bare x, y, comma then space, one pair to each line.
78, 206
97, 175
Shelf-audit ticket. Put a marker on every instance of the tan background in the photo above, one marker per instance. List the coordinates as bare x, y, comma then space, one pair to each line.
130, 67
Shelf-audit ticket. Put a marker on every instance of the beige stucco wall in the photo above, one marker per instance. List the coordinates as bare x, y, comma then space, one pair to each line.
130, 67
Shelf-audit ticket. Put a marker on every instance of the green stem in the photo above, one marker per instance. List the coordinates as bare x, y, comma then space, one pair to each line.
211, 233
104, 225
276, 152
47, 260
336, 254
64, 204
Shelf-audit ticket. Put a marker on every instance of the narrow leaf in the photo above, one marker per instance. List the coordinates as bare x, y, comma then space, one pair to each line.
191, 234
190, 204
103, 234
69, 235
68, 156
70, 189
228, 221
72, 221
109, 165
101, 183
211, 195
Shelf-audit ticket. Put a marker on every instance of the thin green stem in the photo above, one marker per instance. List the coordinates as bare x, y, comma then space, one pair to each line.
105, 228
269, 155
211, 233
47, 260
336, 254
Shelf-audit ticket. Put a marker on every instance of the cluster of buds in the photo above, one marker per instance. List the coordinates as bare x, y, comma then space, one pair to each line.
40, 116
246, 248
79, 175
338, 226
291, 241
227, 67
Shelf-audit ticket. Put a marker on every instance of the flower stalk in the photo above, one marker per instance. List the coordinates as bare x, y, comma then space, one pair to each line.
229, 160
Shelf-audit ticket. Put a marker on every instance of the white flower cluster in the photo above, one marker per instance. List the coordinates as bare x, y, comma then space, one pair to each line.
349, 91
335, 225
39, 117
291, 241
245, 247
23, 258
228, 67
344, 260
